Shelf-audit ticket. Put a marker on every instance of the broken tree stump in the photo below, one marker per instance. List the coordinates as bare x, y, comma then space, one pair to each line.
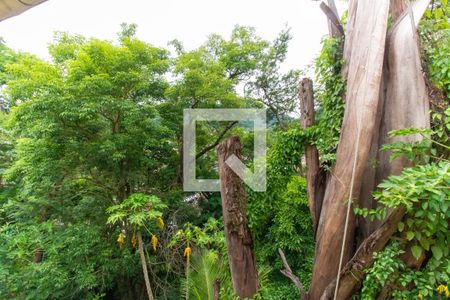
315, 176
237, 233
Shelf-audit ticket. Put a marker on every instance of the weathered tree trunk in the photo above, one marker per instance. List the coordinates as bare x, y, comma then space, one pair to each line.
144, 265
372, 176
406, 102
366, 200
349, 35
373, 107
239, 239
315, 176
363, 87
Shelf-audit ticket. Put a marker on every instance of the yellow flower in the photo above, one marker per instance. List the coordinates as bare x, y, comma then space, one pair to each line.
160, 223
133, 241
187, 253
441, 289
154, 242
121, 240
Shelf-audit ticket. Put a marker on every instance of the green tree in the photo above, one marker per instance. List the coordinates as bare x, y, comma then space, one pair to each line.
87, 135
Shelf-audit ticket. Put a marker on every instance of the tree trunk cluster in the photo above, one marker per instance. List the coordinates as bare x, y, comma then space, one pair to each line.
385, 91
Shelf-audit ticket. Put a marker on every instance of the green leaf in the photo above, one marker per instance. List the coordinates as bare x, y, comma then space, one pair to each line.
437, 252
409, 235
416, 251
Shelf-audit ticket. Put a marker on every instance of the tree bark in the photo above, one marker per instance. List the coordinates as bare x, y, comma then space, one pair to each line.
397, 8
315, 176
366, 200
144, 266
363, 87
404, 102
238, 237
349, 35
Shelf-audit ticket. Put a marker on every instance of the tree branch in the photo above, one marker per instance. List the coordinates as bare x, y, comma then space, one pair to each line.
333, 18
353, 272
217, 141
289, 274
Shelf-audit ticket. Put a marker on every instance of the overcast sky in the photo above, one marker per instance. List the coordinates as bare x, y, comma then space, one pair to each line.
161, 21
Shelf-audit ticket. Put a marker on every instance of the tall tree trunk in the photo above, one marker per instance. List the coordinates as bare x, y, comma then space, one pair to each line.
315, 176
144, 266
239, 239
372, 177
405, 102
363, 87
398, 101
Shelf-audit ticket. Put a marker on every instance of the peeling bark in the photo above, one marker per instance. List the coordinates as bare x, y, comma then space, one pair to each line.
398, 101
406, 103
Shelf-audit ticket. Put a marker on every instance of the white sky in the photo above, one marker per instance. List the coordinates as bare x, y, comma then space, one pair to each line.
161, 21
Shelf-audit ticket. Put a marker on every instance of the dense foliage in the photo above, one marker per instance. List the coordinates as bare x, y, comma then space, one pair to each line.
91, 149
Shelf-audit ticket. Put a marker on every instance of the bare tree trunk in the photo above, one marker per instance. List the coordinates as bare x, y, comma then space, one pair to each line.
315, 176
398, 103
364, 78
366, 200
406, 102
144, 266
239, 239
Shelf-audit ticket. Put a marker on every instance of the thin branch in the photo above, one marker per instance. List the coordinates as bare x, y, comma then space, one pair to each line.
217, 141
144, 266
289, 274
